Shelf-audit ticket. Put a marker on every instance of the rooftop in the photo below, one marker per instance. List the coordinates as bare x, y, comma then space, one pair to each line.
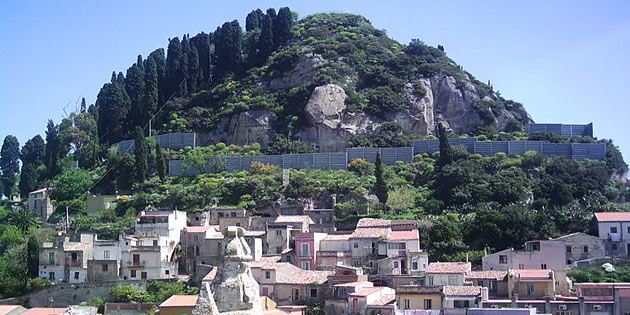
155, 214
44, 311
461, 290
533, 273
307, 277
293, 219
337, 237
448, 267
404, 235
371, 232
366, 291
196, 229
384, 300
487, 275
4, 309
180, 300
40, 190
355, 284
612, 216
271, 258
370, 222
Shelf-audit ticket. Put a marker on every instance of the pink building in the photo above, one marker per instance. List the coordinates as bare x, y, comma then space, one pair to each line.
306, 247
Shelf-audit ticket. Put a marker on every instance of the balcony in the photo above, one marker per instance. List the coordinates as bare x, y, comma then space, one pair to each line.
135, 264
74, 263
148, 248
49, 263
615, 237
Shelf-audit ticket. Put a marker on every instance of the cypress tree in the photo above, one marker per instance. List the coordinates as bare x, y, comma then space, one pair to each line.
201, 42
160, 63
185, 66
140, 154
32, 156
160, 162
151, 88
173, 67
53, 150
271, 12
83, 105
265, 40
282, 27
380, 187
194, 73
253, 20
113, 105
9, 156
228, 48
446, 152
135, 88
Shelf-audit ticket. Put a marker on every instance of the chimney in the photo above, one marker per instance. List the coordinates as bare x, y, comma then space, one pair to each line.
582, 308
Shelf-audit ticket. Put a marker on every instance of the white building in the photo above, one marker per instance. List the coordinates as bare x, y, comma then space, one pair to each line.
614, 229
66, 258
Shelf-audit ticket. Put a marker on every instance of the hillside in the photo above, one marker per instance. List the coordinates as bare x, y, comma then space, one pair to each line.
327, 78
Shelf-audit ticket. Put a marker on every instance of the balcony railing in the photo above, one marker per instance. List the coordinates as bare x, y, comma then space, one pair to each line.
135, 264
74, 263
50, 263
615, 237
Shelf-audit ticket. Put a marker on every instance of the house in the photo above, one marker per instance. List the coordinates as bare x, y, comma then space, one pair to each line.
66, 258
457, 299
404, 257
216, 214
337, 302
447, 273
287, 284
494, 280
334, 250
306, 248
367, 246
198, 218
105, 262
282, 231
39, 202
531, 283
360, 301
268, 273
540, 254
97, 203
324, 220
614, 230
604, 298
416, 297
581, 246
178, 305
192, 241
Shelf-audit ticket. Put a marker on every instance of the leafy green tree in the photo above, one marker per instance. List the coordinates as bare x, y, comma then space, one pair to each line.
446, 238
79, 133
380, 187
282, 27
160, 162
446, 152
141, 155
22, 219
71, 184
32, 156
9, 157
281, 144
128, 294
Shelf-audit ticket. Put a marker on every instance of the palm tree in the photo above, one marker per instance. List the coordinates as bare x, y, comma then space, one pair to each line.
23, 219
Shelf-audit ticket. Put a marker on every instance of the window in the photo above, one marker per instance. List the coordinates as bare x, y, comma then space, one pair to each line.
306, 265
521, 266
197, 218
220, 214
569, 249
569, 261
452, 280
306, 250
428, 304
267, 274
106, 254
184, 313
414, 265
155, 242
313, 293
196, 250
395, 264
614, 246
74, 256
613, 229
51, 258
585, 249
166, 272
196, 237
430, 280
503, 259
461, 304
105, 267
51, 276
628, 229
278, 232
406, 301
278, 250
133, 273
543, 266
356, 245
233, 214
76, 275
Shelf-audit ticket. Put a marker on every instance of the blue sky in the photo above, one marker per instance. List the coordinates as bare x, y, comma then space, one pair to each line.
566, 61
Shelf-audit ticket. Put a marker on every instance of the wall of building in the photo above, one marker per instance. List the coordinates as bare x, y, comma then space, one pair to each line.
439, 279
176, 310
416, 301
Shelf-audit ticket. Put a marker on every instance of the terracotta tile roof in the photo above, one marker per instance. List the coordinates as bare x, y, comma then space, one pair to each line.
4, 309
337, 237
213, 234
461, 290
307, 277
365, 284
271, 258
180, 300
384, 300
486, 275
533, 273
39, 190
75, 246
44, 311
366, 291
404, 235
265, 264
371, 232
293, 219
612, 216
370, 222
448, 267
196, 229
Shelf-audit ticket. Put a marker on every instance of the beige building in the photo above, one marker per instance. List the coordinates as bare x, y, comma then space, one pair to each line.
581, 246
531, 283
447, 273
66, 258
40, 203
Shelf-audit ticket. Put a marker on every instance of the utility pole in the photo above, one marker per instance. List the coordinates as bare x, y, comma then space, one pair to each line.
67, 220
149, 127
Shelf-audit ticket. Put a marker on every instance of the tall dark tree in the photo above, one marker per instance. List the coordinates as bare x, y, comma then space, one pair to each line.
9, 156
32, 156
228, 47
141, 155
446, 152
194, 72
174, 69
53, 150
271, 12
113, 105
83, 105
135, 87
151, 89
201, 42
160, 62
160, 162
282, 27
380, 187
254, 20
265, 39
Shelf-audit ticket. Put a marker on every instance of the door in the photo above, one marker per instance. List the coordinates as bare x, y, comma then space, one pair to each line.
530, 289
265, 292
51, 276
136, 259
355, 304
296, 295
143, 275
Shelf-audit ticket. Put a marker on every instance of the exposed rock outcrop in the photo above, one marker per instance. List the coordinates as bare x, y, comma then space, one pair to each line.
303, 71
248, 127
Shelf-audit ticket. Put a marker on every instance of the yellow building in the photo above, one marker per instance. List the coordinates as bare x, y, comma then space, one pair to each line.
531, 283
414, 297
